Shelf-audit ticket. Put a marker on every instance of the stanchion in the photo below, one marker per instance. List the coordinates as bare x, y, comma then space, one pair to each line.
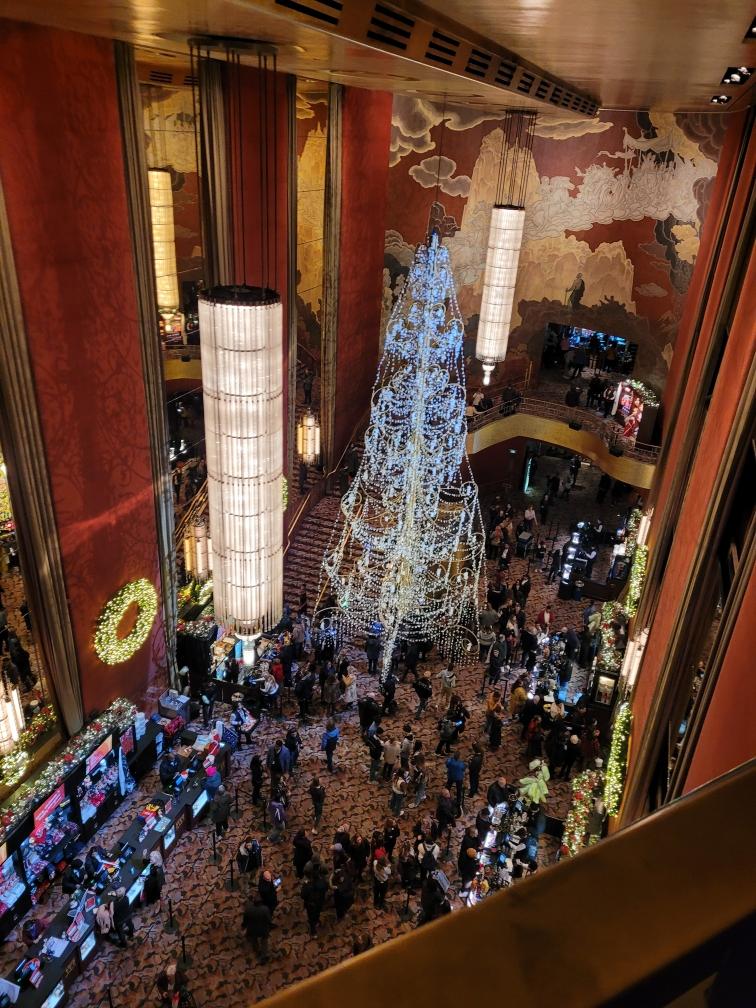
110, 998
265, 813
170, 926
231, 884
184, 959
214, 857
405, 913
235, 813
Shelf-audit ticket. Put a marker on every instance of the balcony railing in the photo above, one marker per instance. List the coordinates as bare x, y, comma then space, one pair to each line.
606, 430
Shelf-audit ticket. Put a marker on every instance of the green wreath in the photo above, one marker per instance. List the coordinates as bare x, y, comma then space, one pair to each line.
112, 649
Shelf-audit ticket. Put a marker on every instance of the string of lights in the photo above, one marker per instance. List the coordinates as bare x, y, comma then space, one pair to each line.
111, 648
407, 549
616, 767
585, 787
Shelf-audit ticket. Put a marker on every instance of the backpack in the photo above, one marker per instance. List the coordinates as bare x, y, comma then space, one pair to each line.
429, 860
447, 729
254, 855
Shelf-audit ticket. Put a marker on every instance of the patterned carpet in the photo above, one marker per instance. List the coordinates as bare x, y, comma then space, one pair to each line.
224, 971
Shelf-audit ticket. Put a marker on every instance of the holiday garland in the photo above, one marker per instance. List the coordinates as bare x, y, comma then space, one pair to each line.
110, 647
637, 576
616, 767
119, 715
584, 789
13, 765
648, 397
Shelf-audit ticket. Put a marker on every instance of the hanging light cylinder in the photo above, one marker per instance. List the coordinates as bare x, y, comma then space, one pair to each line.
504, 241
201, 547
12, 721
241, 334
499, 280
308, 438
163, 239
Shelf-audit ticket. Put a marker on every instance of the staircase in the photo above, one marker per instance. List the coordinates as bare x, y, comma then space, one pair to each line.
305, 555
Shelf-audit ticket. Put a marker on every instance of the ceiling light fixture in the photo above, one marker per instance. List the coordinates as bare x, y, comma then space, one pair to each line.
722, 99
504, 242
737, 75
750, 35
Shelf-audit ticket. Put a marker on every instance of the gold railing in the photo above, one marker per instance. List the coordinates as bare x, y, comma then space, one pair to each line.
649, 902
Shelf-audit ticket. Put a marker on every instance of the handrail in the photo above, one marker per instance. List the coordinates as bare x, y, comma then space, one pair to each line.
177, 352
582, 933
558, 411
197, 505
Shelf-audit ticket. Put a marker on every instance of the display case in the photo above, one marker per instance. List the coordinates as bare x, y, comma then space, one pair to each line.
15, 898
87, 947
98, 794
52, 843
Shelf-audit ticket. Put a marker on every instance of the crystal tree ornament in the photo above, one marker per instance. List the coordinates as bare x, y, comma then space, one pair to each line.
407, 548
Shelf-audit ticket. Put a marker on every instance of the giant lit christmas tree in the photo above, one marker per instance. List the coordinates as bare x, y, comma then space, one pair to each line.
408, 546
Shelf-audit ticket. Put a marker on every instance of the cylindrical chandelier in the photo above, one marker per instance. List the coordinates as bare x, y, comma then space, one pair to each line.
499, 279
308, 438
241, 334
201, 550
504, 242
12, 721
163, 239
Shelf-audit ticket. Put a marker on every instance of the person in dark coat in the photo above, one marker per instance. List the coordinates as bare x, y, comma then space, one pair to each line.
256, 921
474, 766
220, 808
313, 896
342, 884
267, 891
153, 883
302, 852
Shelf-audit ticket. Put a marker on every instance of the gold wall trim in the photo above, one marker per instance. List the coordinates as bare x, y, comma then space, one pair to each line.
135, 171
176, 369
31, 496
291, 269
331, 244
636, 473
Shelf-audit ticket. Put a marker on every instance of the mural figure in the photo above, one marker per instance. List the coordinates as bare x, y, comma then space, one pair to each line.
575, 293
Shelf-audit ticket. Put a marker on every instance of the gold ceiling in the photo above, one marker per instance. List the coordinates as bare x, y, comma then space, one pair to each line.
667, 54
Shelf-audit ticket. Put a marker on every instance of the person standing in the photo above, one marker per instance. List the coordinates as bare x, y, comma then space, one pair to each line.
398, 793
220, 808
313, 894
381, 876
474, 766
329, 741
123, 925
277, 813
208, 701
317, 795
267, 891
372, 650
342, 884
423, 687
302, 852
446, 812
256, 922
359, 854
391, 752
155, 880
455, 777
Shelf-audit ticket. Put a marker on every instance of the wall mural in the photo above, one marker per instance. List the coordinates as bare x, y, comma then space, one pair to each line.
614, 205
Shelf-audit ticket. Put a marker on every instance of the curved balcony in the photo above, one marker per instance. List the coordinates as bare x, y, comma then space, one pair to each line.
541, 420
182, 364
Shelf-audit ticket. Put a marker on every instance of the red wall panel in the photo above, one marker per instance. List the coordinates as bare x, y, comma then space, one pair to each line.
736, 363
366, 131
261, 226
728, 736
61, 165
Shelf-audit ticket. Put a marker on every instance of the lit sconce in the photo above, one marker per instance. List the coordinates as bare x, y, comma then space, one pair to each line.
163, 239
308, 438
189, 554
